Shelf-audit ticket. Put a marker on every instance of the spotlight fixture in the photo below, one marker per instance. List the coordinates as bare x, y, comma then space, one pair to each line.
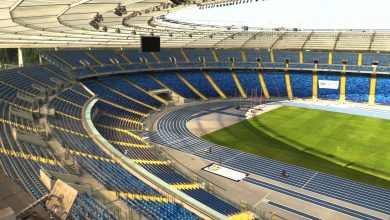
120, 10
178, 2
98, 18
94, 24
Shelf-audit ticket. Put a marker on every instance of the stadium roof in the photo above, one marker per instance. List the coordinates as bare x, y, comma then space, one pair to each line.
65, 23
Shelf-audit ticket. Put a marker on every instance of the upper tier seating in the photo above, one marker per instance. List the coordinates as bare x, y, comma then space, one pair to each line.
224, 55
351, 58
252, 56
21, 82
134, 56
104, 56
144, 81
322, 57
73, 57
160, 61
167, 53
123, 86
107, 94
383, 59
194, 55
280, 56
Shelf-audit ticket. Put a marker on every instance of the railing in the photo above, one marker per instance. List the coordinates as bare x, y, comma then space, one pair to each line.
5, 66
251, 66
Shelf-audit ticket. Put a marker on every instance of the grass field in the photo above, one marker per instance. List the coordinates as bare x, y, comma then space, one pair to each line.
349, 146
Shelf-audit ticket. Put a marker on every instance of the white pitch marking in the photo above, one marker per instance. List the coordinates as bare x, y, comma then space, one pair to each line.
309, 180
232, 157
262, 199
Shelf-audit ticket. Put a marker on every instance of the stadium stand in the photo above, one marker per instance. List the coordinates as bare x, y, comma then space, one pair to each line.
280, 56
126, 99
275, 84
225, 82
351, 58
102, 116
23, 161
172, 81
136, 149
198, 80
322, 57
382, 89
249, 82
193, 55
301, 84
224, 55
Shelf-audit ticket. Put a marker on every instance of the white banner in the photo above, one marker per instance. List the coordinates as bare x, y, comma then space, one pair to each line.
328, 84
225, 172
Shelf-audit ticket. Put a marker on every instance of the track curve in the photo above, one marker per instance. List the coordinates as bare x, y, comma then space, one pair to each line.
171, 131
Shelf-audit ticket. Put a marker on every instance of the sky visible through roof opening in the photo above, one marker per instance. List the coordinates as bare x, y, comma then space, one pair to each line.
302, 14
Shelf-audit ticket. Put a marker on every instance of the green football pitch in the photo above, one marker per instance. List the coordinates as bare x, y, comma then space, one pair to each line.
349, 146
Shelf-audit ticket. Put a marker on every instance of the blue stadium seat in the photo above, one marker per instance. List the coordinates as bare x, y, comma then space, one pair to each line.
301, 84
276, 84
225, 82
199, 81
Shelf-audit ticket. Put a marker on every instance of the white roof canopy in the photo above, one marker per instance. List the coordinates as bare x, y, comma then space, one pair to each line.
65, 23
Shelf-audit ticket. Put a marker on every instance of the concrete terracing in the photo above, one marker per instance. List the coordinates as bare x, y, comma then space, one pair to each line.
12, 196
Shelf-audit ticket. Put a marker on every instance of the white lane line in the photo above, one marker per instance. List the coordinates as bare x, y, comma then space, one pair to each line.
309, 180
232, 157
262, 199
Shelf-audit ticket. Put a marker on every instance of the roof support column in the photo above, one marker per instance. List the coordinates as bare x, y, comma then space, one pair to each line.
315, 83
20, 57
40, 60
